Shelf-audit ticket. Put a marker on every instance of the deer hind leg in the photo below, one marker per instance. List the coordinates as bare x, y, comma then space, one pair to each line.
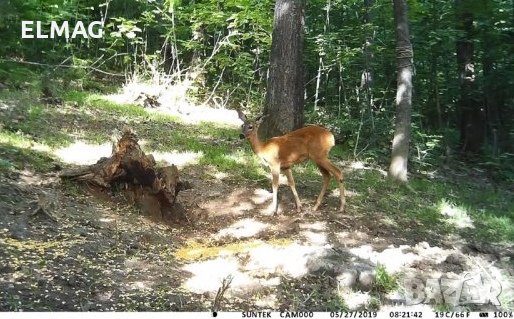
336, 173
274, 184
290, 181
326, 180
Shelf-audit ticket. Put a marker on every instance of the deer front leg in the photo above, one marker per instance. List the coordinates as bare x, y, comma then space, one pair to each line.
274, 183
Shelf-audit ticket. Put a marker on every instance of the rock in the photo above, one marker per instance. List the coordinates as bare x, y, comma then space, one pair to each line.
319, 265
366, 279
456, 259
5, 269
348, 278
395, 297
423, 245
19, 232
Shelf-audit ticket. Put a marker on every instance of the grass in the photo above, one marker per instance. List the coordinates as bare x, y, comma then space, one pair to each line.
424, 209
310, 293
18, 151
40, 129
384, 282
219, 144
417, 206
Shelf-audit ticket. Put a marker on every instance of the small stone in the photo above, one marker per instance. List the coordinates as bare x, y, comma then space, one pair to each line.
423, 245
456, 259
366, 279
348, 278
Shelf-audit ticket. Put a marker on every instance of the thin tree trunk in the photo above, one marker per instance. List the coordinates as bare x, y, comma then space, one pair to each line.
342, 92
367, 74
285, 94
400, 148
472, 117
174, 45
321, 54
318, 82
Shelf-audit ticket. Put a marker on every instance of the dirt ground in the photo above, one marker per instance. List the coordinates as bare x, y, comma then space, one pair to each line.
93, 254
65, 248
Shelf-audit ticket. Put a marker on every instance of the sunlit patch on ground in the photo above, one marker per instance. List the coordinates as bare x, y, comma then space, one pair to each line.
173, 101
243, 228
292, 260
351, 237
315, 233
180, 159
22, 142
81, 153
140, 285
315, 237
196, 114
392, 258
255, 267
207, 276
237, 158
355, 299
335, 193
456, 215
220, 175
260, 196
358, 165
227, 204
194, 251
106, 220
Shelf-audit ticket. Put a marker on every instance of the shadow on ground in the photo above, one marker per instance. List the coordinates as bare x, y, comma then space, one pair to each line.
85, 253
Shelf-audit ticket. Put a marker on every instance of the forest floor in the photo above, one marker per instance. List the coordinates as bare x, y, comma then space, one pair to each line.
449, 231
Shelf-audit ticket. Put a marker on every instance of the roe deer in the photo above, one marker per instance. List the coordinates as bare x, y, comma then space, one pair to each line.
282, 152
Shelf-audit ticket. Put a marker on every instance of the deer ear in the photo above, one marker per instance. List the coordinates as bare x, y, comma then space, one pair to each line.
259, 120
241, 115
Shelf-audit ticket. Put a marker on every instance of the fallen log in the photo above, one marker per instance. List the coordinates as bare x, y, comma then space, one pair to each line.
130, 171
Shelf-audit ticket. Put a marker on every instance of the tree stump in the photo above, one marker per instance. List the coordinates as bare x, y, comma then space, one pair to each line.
130, 171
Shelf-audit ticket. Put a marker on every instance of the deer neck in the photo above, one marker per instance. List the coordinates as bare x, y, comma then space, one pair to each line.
256, 144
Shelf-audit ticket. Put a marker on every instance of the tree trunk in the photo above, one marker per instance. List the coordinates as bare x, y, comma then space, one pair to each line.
491, 102
285, 95
400, 149
472, 117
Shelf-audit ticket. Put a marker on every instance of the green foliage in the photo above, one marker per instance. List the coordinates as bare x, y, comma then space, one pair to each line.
312, 293
223, 47
15, 76
6, 165
384, 281
17, 152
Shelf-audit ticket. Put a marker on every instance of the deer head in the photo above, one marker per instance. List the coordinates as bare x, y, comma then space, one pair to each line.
247, 128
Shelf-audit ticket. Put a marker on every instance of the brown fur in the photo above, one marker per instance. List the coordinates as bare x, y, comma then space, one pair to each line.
282, 152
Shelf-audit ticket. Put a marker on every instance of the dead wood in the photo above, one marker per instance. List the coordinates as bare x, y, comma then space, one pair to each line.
130, 171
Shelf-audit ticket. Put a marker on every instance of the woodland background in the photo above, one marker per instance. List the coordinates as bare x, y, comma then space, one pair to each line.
67, 248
